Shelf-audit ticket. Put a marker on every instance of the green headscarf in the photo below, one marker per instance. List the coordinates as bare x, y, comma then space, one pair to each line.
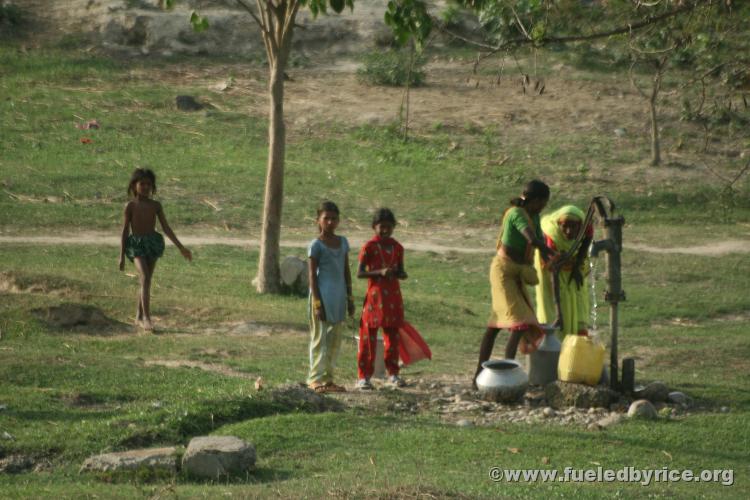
551, 225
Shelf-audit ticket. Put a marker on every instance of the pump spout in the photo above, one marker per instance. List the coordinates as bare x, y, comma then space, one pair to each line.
602, 245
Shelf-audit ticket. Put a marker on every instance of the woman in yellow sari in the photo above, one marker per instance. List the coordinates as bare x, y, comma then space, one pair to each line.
511, 270
562, 296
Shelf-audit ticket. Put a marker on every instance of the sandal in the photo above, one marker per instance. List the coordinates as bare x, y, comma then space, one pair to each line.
318, 387
331, 387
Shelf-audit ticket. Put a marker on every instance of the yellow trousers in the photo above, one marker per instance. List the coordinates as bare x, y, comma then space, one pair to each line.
325, 343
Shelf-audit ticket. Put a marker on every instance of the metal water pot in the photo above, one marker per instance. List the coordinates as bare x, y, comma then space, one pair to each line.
542, 363
502, 380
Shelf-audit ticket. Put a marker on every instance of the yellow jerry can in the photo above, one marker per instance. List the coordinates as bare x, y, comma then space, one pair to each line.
581, 360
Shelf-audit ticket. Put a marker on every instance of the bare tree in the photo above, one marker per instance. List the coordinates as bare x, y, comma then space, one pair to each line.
659, 65
276, 22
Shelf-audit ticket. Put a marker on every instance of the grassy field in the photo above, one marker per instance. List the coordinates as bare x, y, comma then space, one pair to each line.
71, 393
74, 393
216, 158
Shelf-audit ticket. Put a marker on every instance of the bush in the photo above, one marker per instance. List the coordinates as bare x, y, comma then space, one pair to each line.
10, 15
391, 68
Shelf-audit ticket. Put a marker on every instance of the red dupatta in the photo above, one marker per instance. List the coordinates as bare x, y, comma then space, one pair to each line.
411, 346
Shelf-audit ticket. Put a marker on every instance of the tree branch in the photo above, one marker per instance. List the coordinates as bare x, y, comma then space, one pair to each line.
730, 183
630, 27
252, 13
633, 82
291, 14
658, 78
271, 47
742, 172
518, 20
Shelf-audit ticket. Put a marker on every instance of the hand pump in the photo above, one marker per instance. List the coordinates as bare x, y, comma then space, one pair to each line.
612, 244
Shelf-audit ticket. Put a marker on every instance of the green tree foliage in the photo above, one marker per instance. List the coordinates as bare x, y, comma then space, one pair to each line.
409, 19
395, 68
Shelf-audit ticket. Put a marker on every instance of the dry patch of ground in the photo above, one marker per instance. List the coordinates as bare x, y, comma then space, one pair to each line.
79, 318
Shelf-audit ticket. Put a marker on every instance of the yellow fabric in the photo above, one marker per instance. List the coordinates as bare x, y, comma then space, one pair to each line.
325, 343
575, 306
511, 306
551, 225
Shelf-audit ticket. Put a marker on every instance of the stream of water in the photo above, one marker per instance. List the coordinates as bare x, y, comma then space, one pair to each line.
593, 298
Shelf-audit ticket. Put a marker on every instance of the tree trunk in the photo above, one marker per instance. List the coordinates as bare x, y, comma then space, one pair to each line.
269, 279
655, 146
655, 142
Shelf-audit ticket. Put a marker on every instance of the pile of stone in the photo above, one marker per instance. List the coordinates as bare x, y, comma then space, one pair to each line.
206, 457
559, 403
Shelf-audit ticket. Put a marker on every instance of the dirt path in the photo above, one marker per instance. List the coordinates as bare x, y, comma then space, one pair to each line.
421, 245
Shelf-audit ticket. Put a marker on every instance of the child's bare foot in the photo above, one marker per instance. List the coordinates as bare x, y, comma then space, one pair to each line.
147, 325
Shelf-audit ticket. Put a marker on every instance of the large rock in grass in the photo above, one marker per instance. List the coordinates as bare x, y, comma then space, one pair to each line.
213, 457
656, 392
680, 398
566, 394
642, 409
151, 459
294, 275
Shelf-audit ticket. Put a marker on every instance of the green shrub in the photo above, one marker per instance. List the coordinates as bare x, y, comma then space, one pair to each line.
10, 15
391, 68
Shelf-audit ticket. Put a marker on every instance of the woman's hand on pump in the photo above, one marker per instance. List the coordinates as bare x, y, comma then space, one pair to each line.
577, 276
547, 254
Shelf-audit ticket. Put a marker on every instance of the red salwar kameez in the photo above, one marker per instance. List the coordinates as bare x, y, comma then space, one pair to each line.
384, 308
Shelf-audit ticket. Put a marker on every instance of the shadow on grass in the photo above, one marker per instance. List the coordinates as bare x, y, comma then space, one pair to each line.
736, 396
63, 415
146, 475
210, 415
649, 444
259, 475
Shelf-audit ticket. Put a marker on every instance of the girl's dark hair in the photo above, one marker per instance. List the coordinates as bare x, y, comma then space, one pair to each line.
533, 190
137, 175
327, 206
383, 215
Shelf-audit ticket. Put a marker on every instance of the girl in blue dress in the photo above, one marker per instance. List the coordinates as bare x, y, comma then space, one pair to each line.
330, 298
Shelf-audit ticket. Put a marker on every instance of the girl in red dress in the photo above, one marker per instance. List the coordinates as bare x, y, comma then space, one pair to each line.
381, 261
